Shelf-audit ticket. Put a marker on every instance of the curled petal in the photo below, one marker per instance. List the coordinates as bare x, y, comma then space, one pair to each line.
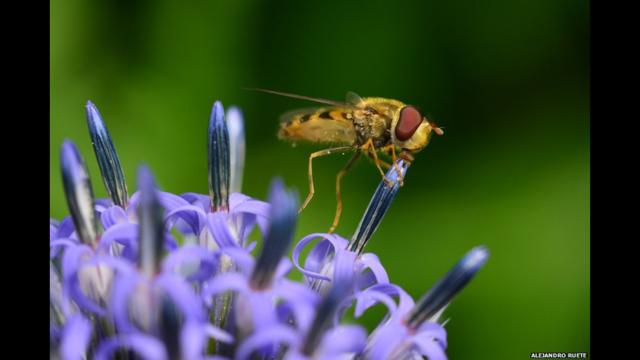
204, 261
125, 234
277, 334
193, 338
371, 262
168, 201
371, 296
316, 259
112, 216
193, 215
342, 340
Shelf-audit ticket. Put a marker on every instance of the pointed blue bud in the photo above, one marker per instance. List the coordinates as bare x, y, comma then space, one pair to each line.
442, 292
150, 222
235, 123
79, 194
378, 206
112, 174
283, 217
219, 159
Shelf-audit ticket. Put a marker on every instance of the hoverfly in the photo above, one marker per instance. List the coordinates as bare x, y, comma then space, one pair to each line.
364, 125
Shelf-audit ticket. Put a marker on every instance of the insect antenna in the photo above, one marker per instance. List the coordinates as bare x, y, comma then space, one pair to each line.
301, 97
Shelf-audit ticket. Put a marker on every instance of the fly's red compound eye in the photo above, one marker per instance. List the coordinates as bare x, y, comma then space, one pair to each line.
409, 121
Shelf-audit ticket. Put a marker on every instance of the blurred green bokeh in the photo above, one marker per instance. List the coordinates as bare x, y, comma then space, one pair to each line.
508, 80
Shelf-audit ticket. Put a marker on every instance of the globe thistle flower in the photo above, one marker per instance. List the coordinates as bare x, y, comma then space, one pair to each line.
156, 275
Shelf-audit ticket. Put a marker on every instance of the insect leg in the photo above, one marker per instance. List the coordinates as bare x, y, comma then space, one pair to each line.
341, 174
372, 150
385, 165
311, 157
395, 164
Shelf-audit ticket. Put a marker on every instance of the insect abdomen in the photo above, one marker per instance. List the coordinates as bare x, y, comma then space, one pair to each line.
318, 126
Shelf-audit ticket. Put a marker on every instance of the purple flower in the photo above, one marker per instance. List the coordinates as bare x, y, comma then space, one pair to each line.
366, 267
161, 276
413, 328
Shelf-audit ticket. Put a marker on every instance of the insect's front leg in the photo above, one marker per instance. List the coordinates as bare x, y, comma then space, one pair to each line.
371, 149
394, 158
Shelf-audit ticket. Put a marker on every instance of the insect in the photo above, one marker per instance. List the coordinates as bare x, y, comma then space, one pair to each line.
364, 125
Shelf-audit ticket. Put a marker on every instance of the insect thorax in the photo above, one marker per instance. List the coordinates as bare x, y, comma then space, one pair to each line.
368, 125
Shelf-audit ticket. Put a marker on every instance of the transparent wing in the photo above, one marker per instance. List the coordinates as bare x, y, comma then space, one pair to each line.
353, 99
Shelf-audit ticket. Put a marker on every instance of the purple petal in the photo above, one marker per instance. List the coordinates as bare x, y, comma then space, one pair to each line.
125, 234
434, 330
223, 283
369, 298
371, 262
183, 296
121, 292
240, 257
146, 346
71, 264
343, 339
334, 241
382, 293
199, 200
57, 245
193, 339
219, 228
75, 338
277, 334
385, 340
66, 228
429, 346
204, 259
112, 216
194, 216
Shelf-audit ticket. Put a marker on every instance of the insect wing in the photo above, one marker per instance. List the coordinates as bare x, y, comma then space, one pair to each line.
354, 99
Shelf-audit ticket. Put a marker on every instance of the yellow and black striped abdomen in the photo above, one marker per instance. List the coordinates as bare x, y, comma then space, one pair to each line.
324, 125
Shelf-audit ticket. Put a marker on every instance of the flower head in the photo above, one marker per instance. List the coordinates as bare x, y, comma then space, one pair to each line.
166, 276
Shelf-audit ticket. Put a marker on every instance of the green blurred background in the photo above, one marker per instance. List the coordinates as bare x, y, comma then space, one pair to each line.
508, 80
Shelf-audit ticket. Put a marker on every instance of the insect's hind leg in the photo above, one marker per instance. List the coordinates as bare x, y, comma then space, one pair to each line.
311, 157
341, 174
